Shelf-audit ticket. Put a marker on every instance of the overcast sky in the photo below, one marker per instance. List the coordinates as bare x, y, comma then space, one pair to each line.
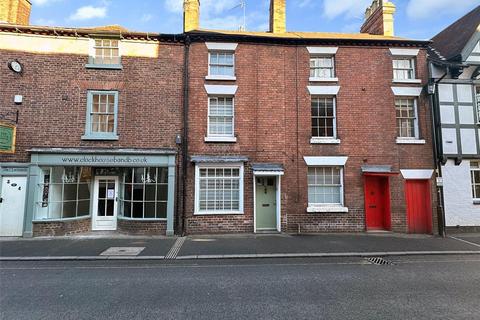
418, 19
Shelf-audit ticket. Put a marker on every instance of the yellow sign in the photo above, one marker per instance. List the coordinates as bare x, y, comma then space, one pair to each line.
8, 134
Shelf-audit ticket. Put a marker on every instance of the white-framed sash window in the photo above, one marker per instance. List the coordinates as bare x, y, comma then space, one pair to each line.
325, 186
221, 116
322, 67
475, 173
221, 63
403, 68
218, 189
323, 117
407, 117
105, 53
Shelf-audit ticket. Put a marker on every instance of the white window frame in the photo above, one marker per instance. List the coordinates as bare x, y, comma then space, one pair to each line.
237, 165
476, 197
219, 137
91, 59
413, 62
477, 99
221, 77
329, 207
327, 140
333, 77
416, 138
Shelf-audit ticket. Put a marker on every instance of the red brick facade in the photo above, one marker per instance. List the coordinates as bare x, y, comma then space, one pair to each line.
273, 124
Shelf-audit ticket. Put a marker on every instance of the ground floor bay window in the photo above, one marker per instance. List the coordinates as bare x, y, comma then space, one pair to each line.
144, 193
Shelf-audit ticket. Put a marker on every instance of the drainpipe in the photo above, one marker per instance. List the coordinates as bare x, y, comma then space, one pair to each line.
437, 147
185, 131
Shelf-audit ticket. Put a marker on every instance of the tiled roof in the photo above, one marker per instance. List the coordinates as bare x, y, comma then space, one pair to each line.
451, 41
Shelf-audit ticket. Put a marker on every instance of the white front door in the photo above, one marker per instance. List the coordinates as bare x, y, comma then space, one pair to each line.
105, 197
12, 206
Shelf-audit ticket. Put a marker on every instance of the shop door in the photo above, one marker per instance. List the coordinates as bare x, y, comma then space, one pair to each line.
419, 208
12, 206
377, 203
266, 204
105, 200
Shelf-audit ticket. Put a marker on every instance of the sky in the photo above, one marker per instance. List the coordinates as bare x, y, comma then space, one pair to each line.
415, 19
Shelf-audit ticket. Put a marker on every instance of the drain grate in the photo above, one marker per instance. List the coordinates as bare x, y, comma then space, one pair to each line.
379, 261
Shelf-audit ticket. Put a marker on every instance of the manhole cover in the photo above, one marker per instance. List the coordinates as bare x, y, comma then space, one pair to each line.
379, 261
122, 251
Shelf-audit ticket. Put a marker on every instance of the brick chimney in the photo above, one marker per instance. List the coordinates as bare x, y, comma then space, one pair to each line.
191, 15
15, 11
379, 18
278, 16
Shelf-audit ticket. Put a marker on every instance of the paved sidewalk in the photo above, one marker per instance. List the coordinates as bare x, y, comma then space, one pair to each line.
235, 246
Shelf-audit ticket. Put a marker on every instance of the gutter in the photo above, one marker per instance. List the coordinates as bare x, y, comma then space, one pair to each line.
437, 147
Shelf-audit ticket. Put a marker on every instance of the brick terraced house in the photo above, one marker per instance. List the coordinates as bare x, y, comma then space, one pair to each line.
214, 131
99, 118
307, 132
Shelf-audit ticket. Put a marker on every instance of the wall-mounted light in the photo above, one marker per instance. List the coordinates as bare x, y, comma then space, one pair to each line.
18, 99
431, 88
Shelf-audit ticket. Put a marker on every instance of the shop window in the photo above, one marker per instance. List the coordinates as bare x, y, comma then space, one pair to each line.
101, 120
219, 190
64, 193
144, 193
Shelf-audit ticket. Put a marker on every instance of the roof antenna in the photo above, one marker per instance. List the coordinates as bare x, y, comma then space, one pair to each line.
243, 5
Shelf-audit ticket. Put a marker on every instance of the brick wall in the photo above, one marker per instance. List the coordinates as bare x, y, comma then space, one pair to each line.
61, 228
273, 124
150, 228
54, 89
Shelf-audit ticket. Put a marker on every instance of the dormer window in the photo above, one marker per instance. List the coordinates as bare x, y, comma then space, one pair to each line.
105, 53
404, 65
221, 61
322, 63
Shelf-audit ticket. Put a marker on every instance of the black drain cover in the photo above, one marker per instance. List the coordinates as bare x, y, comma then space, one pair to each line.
379, 261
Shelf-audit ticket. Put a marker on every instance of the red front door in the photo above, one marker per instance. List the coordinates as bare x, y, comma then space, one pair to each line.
419, 207
377, 203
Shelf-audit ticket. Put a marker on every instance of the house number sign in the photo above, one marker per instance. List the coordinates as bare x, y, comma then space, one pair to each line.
7, 137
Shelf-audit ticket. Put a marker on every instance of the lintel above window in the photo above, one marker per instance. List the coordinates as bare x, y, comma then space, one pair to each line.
404, 52
325, 161
221, 90
323, 90
407, 91
322, 50
218, 46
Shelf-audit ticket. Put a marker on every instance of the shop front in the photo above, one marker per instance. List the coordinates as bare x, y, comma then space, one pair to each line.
81, 190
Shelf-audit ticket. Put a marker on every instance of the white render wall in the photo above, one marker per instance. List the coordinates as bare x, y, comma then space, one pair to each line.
457, 190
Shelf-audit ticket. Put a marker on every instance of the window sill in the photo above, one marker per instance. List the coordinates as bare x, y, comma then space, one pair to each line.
324, 141
410, 141
327, 209
106, 138
407, 81
313, 79
217, 213
221, 78
142, 220
476, 202
221, 139
104, 66
60, 219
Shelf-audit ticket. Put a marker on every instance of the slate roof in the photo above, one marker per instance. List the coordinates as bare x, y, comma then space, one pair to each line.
450, 42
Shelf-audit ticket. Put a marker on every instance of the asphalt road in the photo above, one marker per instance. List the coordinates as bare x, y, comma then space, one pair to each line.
411, 288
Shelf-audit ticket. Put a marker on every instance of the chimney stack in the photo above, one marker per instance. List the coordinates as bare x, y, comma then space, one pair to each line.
379, 18
191, 15
15, 11
278, 16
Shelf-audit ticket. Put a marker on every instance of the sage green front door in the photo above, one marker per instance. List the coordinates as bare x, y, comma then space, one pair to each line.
266, 203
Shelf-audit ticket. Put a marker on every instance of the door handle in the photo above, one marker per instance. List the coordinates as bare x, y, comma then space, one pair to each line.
1, 200
373, 207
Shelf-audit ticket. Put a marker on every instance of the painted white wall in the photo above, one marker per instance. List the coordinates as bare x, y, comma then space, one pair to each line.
459, 207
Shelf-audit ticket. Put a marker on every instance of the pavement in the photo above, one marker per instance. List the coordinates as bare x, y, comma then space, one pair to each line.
235, 246
419, 287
